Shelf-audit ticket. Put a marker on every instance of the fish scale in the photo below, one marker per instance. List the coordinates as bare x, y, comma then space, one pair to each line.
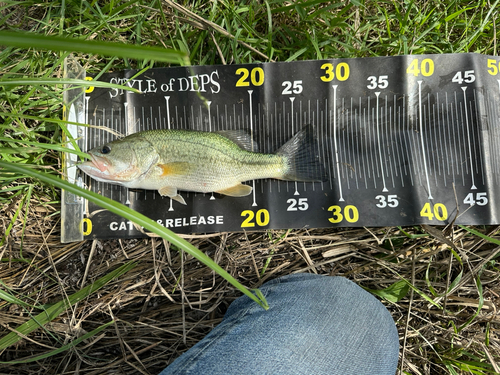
172, 160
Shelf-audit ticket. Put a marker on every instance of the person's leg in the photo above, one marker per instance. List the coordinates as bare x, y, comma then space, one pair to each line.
315, 325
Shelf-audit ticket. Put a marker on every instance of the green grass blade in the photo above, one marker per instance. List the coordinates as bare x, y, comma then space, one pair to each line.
394, 293
56, 43
135, 217
58, 308
62, 348
479, 234
7, 297
46, 146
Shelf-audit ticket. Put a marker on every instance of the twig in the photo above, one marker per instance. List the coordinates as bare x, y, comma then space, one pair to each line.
89, 260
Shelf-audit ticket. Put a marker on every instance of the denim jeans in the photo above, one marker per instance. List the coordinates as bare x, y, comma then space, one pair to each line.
315, 325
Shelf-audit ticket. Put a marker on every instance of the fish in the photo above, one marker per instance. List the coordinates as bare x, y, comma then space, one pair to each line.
173, 160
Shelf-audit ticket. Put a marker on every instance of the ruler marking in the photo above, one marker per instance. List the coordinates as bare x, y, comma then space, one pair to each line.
150, 117
368, 137
480, 143
341, 199
362, 132
167, 109
388, 137
399, 145
451, 140
379, 141
319, 120
443, 121
473, 187
460, 115
250, 92
495, 139
328, 139
441, 147
143, 117
208, 102
159, 119
397, 113
405, 130
428, 124
354, 154
493, 136
358, 146
416, 154
433, 143
292, 100
479, 101
422, 137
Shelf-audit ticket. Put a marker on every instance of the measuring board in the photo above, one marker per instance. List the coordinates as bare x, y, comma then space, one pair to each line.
405, 140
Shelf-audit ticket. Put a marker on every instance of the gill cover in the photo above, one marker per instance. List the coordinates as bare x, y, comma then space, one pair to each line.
122, 160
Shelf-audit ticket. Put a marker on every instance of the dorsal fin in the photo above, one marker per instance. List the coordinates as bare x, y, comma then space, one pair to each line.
241, 138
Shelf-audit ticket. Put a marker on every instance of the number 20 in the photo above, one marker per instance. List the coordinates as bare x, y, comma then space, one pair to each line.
256, 77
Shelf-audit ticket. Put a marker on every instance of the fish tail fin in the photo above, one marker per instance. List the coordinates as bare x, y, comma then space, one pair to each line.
301, 154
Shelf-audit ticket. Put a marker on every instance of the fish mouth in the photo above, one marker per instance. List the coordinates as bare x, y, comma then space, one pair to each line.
97, 167
101, 169
100, 162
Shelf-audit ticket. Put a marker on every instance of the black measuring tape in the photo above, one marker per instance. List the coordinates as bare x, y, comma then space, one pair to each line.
405, 140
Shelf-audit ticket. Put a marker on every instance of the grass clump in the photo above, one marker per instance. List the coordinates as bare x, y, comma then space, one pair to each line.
440, 286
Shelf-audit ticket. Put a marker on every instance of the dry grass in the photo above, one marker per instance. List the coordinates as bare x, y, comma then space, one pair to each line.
448, 321
170, 301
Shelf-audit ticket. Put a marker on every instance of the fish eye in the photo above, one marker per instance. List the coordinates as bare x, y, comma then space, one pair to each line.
106, 150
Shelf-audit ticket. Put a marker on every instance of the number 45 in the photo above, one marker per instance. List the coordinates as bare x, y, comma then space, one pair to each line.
481, 199
467, 77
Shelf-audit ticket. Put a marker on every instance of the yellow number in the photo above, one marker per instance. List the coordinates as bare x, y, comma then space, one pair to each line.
328, 72
350, 214
439, 211
426, 211
413, 68
244, 75
247, 223
253, 76
89, 89
341, 71
261, 217
426, 67
256, 77
492, 64
89, 226
337, 216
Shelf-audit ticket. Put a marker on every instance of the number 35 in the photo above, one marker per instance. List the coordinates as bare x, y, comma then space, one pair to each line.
389, 201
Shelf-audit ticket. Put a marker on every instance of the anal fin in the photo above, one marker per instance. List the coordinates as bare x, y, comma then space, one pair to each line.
171, 192
240, 190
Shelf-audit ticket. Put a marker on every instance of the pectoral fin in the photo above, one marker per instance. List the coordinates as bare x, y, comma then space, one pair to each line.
236, 191
177, 168
171, 192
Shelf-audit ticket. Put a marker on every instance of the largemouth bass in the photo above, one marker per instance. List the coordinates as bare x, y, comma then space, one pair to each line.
172, 160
